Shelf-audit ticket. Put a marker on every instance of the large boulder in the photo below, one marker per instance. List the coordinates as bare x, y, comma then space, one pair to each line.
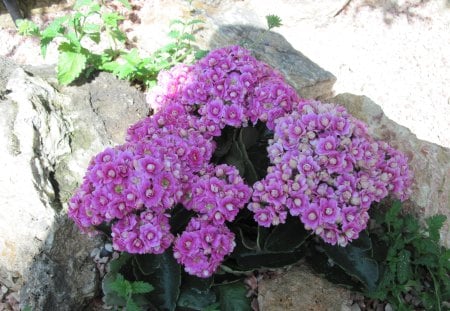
49, 136
429, 162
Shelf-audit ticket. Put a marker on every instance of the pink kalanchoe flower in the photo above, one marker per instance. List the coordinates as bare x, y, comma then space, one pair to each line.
341, 169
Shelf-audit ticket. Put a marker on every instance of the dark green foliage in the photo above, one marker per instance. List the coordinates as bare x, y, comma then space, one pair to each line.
414, 262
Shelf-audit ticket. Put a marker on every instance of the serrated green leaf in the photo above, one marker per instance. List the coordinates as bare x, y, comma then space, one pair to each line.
140, 287
95, 36
404, 272
111, 19
393, 213
273, 21
194, 22
187, 36
174, 34
132, 306
120, 286
200, 54
27, 27
70, 63
176, 22
434, 224
234, 297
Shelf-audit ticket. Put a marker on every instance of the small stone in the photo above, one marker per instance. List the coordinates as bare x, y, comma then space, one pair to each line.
108, 247
95, 252
388, 307
4, 289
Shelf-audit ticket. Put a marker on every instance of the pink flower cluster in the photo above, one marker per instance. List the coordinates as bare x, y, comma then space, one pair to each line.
203, 246
325, 167
227, 87
327, 170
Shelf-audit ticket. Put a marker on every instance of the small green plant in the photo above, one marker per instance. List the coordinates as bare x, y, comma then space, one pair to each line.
127, 289
79, 35
88, 22
273, 21
413, 261
131, 66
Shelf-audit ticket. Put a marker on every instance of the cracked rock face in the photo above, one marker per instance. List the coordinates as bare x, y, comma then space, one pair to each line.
49, 136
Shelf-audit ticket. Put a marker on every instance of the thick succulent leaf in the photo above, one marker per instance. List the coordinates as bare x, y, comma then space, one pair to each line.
196, 293
264, 259
233, 297
287, 237
332, 272
166, 281
146, 263
235, 158
355, 261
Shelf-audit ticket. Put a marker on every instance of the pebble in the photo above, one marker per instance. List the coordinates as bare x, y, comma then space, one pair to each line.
388, 307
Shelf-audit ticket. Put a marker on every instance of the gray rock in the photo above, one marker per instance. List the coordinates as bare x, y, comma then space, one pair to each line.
310, 80
429, 162
62, 276
300, 289
49, 137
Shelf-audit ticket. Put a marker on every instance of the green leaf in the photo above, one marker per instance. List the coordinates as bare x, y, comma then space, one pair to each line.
235, 158
187, 36
111, 296
194, 22
126, 4
111, 19
174, 34
435, 223
195, 299
120, 286
140, 287
116, 264
356, 262
287, 237
233, 297
53, 30
392, 214
147, 263
27, 27
176, 22
166, 281
200, 54
70, 63
404, 272
273, 21
131, 305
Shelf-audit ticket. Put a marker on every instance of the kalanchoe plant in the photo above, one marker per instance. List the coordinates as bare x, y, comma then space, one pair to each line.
227, 133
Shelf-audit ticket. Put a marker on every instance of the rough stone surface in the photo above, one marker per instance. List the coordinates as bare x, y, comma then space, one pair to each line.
62, 276
429, 162
305, 76
49, 136
301, 289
